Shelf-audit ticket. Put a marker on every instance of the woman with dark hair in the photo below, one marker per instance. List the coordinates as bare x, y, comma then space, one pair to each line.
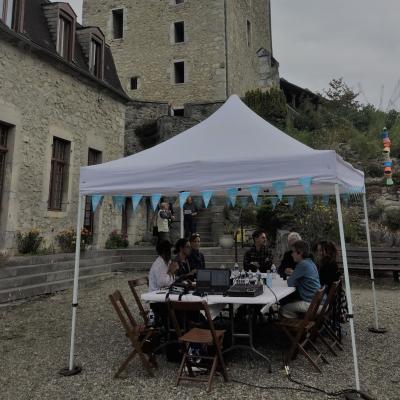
196, 258
327, 264
189, 216
182, 251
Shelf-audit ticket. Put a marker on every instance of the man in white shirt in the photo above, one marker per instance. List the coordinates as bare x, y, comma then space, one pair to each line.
162, 272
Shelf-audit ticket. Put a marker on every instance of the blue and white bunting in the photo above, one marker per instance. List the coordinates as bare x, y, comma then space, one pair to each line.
232, 194
136, 198
254, 190
279, 186
274, 201
155, 199
306, 181
118, 202
96, 200
291, 200
182, 198
206, 194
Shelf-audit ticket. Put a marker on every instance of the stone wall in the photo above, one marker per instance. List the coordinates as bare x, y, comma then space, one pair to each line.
39, 100
244, 70
148, 51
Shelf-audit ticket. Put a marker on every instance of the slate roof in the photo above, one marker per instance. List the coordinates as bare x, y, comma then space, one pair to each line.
36, 31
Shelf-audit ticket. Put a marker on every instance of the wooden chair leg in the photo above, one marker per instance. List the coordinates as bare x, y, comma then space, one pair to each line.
309, 358
222, 362
319, 354
212, 372
327, 345
125, 363
138, 347
334, 338
180, 371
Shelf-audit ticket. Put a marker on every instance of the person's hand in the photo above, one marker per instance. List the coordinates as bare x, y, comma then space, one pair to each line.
173, 268
288, 271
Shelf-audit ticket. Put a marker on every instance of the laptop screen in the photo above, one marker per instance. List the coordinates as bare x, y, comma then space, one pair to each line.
203, 277
213, 278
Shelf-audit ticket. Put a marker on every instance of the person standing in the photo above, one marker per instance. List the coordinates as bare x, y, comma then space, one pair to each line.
258, 257
304, 278
196, 258
163, 218
189, 216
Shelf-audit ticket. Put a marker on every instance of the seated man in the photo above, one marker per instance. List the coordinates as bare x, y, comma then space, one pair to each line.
259, 256
304, 278
162, 272
287, 260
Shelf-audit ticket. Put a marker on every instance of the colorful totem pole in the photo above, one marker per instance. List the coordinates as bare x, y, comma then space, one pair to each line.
387, 161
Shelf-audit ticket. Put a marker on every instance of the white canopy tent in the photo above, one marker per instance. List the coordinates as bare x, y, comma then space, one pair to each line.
234, 147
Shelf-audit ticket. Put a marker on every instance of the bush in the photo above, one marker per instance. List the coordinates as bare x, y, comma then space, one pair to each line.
67, 239
29, 242
116, 241
392, 218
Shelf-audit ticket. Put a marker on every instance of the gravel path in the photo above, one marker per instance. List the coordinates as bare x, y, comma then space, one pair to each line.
34, 342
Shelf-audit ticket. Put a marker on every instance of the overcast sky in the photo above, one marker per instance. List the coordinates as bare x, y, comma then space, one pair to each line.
317, 40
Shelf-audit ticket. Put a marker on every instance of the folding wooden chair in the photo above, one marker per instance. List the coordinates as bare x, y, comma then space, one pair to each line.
133, 284
204, 337
140, 336
322, 330
299, 332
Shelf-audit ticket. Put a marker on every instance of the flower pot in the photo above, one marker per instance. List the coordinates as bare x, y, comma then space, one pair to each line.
226, 241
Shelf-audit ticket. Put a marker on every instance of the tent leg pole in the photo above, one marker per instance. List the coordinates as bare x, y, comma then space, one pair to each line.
347, 281
74, 370
376, 328
182, 220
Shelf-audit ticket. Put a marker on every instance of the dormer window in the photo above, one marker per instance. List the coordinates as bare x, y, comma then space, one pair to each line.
65, 36
96, 57
11, 13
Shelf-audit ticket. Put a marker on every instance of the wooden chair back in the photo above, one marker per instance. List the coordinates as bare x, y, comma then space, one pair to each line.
121, 308
314, 307
133, 284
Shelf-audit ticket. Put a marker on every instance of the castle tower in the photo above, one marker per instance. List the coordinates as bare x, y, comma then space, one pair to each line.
183, 51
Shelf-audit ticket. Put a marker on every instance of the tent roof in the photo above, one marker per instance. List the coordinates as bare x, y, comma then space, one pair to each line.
234, 147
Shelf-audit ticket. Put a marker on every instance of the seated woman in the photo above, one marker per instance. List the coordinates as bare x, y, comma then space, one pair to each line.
327, 264
182, 250
162, 272
287, 260
196, 258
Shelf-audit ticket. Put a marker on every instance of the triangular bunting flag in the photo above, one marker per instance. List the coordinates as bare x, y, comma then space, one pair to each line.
232, 193
118, 202
279, 186
306, 181
206, 194
182, 198
96, 200
254, 190
136, 200
155, 199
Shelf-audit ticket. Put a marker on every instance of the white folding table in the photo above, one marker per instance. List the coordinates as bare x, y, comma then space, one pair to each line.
270, 296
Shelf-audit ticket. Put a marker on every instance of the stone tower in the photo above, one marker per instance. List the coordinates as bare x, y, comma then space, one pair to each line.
183, 51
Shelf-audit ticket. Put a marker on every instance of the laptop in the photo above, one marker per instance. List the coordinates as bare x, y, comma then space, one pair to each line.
213, 281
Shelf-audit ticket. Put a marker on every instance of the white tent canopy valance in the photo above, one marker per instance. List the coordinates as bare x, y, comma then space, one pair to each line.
234, 147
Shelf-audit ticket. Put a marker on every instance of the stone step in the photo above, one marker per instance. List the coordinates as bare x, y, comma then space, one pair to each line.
47, 277
208, 257
61, 265
9, 295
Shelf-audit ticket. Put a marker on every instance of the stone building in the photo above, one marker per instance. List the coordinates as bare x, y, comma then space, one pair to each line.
184, 51
61, 107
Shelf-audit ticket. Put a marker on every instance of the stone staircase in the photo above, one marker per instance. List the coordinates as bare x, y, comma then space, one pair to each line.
23, 277
204, 223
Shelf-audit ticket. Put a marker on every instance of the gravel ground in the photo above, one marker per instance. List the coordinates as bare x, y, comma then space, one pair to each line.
34, 342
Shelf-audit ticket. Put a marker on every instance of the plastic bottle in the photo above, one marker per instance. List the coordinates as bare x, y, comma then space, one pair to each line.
269, 279
273, 271
236, 271
258, 275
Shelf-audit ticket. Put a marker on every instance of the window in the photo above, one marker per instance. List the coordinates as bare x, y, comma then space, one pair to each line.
134, 83
179, 71
118, 24
179, 32
64, 37
3, 154
94, 157
96, 58
248, 33
178, 112
58, 174
11, 13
